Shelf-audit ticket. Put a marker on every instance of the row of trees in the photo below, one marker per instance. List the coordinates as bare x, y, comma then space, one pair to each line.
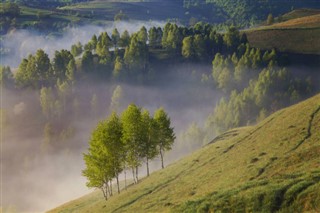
126, 56
120, 143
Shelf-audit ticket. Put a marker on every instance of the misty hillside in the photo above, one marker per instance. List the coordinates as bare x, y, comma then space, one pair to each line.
273, 166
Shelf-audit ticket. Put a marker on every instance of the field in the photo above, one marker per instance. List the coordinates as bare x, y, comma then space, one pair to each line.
297, 35
299, 13
134, 10
273, 166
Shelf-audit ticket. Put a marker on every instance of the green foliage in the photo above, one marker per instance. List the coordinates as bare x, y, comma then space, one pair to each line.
10, 9
116, 99
105, 156
61, 61
155, 37
35, 71
172, 38
46, 101
87, 63
115, 37
118, 70
102, 49
136, 54
150, 138
6, 76
132, 136
121, 17
192, 138
166, 134
270, 19
124, 39
187, 47
76, 49
232, 38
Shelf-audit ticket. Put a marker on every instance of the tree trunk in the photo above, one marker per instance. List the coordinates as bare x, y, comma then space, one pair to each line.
137, 174
161, 155
111, 187
134, 179
147, 166
118, 184
104, 191
108, 189
125, 179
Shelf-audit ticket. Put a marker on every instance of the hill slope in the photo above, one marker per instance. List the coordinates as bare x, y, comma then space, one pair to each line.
264, 168
296, 35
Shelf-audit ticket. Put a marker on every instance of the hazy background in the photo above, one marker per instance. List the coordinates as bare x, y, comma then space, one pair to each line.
34, 181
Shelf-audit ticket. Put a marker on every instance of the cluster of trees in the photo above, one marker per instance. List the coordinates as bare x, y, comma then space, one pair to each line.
237, 68
120, 143
274, 89
233, 72
9, 9
37, 71
9, 12
247, 12
125, 56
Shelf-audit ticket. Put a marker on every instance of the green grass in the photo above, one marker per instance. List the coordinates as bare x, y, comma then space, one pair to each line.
299, 35
299, 13
222, 177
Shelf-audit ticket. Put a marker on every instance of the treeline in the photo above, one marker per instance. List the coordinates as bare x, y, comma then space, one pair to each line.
121, 143
247, 12
254, 82
126, 57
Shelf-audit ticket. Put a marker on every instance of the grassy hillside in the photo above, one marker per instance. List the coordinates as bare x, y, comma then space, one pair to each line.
299, 13
296, 35
273, 166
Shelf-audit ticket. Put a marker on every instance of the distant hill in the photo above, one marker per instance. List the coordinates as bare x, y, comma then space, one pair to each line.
273, 166
299, 34
299, 13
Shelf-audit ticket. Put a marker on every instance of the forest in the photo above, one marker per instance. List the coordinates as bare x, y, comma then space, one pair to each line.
78, 87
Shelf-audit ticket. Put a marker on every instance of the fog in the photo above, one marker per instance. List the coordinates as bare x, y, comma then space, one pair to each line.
18, 44
35, 180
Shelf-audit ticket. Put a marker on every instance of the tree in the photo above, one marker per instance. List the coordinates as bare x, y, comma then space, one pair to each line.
136, 54
115, 99
6, 76
187, 47
46, 101
143, 35
102, 49
199, 44
104, 160
115, 147
118, 68
60, 63
193, 137
166, 134
35, 71
87, 61
76, 49
42, 67
270, 19
132, 137
232, 38
149, 143
153, 36
64, 91
70, 73
115, 37
124, 39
